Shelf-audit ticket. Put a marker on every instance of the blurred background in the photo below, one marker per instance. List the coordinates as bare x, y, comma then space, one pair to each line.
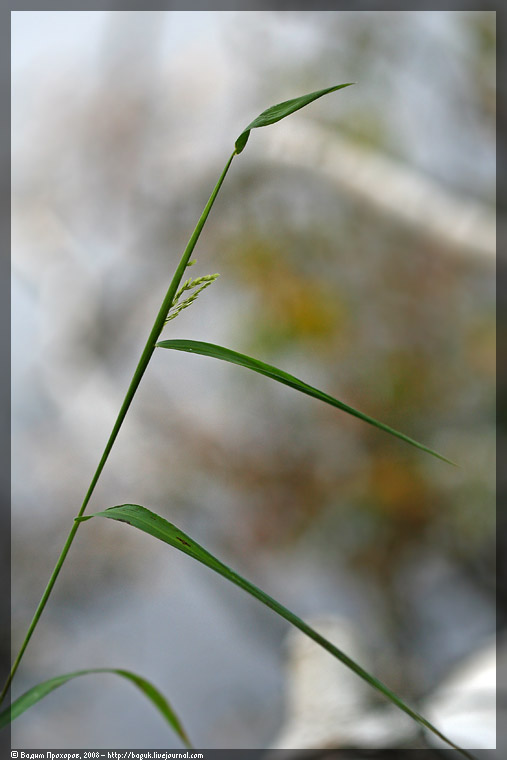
355, 243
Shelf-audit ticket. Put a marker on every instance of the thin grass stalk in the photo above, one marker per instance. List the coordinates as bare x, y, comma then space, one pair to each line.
269, 116
134, 384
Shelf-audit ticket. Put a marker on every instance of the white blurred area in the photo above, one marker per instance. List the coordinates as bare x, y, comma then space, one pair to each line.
327, 706
121, 124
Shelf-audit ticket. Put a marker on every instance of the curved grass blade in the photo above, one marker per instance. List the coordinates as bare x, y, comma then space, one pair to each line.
36, 693
225, 354
281, 110
151, 523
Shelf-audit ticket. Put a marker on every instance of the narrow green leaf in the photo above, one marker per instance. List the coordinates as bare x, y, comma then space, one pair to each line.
281, 110
225, 354
151, 523
40, 691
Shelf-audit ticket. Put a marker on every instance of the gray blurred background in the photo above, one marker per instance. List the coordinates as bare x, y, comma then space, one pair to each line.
355, 243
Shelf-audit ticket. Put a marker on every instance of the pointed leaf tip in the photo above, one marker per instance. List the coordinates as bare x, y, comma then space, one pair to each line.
41, 690
149, 522
226, 354
281, 110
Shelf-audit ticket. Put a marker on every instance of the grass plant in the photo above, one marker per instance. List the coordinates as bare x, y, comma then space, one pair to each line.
178, 297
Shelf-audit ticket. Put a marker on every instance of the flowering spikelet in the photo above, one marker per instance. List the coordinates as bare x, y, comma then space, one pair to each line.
201, 283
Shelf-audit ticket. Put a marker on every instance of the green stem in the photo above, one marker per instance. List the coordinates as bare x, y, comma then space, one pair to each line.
134, 384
